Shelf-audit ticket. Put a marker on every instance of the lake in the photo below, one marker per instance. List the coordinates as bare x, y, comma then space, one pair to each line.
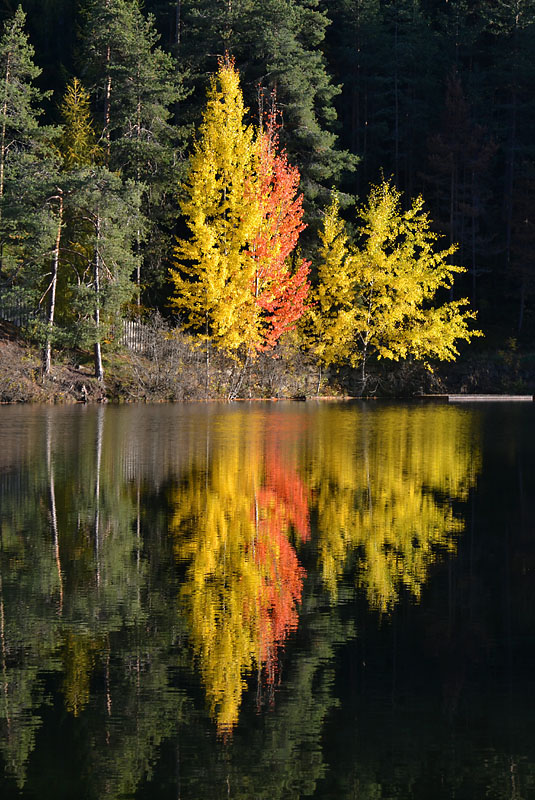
268, 600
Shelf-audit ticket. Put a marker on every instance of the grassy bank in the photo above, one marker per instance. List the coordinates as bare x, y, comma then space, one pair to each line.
172, 369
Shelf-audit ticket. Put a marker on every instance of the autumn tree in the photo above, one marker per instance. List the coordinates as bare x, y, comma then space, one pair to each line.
215, 267
395, 272
333, 313
233, 275
78, 143
280, 291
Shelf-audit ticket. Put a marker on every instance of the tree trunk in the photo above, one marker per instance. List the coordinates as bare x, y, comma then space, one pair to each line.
107, 105
99, 371
3, 146
3, 134
53, 512
178, 21
510, 163
396, 105
53, 287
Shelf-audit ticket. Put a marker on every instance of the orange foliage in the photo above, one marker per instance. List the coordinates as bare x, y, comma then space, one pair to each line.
280, 292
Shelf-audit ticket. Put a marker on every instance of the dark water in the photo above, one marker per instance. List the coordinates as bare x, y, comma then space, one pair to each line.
268, 601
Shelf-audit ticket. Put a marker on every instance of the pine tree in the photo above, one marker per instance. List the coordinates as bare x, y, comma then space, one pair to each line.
278, 45
105, 217
136, 85
512, 23
355, 48
20, 136
77, 149
460, 156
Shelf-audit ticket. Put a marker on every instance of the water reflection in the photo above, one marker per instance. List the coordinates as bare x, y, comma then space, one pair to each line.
236, 517
169, 574
385, 486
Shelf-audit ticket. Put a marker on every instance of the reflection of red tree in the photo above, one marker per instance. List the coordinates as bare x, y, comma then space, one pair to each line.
281, 505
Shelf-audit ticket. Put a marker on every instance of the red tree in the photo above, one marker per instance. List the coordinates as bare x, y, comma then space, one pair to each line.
280, 291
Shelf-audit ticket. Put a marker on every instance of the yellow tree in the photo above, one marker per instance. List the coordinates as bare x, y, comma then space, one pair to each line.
393, 274
333, 311
78, 144
215, 266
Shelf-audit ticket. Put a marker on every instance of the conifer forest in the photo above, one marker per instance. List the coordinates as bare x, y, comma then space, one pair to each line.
282, 196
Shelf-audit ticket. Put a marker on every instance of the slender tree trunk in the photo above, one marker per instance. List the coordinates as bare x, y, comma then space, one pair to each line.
138, 180
3, 146
363, 377
99, 371
53, 287
510, 165
53, 512
318, 387
233, 393
107, 105
475, 209
100, 426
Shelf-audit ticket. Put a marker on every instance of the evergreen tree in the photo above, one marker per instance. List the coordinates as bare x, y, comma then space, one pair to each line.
278, 46
22, 142
105, 220
136, 85
512, 25
355, 49
77, 148
460, 157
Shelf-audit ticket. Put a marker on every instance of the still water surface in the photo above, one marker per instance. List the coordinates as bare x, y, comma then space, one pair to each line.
267, 601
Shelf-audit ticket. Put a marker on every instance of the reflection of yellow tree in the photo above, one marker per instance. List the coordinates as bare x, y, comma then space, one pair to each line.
384, 484
78, 657
232, 523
